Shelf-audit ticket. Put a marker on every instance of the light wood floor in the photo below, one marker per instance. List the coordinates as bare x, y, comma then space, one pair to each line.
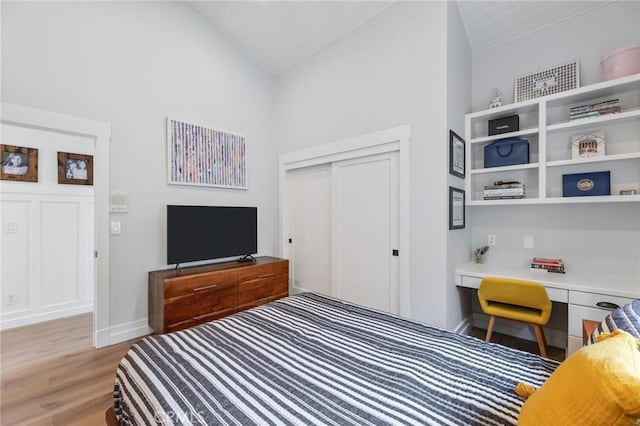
51, 375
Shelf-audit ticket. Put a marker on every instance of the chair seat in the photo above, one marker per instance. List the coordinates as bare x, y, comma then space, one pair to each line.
513, 312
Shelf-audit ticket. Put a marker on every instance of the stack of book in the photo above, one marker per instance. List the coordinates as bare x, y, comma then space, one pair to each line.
540, 264
504, 191
593, 110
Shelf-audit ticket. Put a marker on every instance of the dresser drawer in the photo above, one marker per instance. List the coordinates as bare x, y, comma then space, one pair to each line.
205, 302
262, 288
193, 284
176, 326
268, 270
592, 299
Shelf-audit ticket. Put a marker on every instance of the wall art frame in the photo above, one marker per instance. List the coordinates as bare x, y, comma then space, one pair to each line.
75, 169
456, 208
199, 155
457, 160
19, 163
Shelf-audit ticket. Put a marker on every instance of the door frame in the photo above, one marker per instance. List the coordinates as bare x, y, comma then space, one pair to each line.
101, 132
389, 140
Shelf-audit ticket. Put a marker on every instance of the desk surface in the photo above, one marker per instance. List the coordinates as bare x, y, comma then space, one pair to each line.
572, 280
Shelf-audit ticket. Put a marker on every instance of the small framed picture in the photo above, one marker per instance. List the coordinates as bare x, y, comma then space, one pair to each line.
456, 208
587, 145
19, 163
75, 169
456, 155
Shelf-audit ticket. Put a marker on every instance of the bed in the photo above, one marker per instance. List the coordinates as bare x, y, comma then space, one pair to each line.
310, 359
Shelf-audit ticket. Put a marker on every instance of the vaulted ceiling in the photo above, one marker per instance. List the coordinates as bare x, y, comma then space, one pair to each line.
280, 34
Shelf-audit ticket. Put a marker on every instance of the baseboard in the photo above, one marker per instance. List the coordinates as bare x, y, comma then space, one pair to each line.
129, 330
557, 338
464, 326
28, 319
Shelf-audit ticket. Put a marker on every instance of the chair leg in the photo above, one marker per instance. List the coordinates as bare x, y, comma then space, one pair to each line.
542, 343
492, 322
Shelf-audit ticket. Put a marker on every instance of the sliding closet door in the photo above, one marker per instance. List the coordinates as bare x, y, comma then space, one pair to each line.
309, 213
365, 231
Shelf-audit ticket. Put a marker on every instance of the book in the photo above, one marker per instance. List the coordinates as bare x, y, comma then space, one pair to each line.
547, 260
508, 191
504, 197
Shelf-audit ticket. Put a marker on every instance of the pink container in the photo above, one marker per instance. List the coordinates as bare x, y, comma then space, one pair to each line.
621, 62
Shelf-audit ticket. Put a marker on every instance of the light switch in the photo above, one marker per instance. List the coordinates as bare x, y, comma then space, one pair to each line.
115, 228
12, 228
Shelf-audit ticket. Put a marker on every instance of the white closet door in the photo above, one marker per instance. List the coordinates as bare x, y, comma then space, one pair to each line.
365, 231
309, 204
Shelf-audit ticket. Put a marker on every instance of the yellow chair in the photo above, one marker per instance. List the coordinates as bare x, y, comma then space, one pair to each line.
519, 300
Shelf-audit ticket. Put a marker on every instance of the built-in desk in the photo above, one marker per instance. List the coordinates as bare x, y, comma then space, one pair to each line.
582, 292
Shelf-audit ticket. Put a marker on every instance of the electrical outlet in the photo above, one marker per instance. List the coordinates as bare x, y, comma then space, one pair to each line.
527, 241
12, 228
115, 228
491, 240
11, 299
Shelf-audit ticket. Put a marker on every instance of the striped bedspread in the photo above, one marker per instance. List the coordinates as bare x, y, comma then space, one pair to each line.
309, 359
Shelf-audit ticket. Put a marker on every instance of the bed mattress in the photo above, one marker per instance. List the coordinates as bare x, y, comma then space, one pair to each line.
310, 359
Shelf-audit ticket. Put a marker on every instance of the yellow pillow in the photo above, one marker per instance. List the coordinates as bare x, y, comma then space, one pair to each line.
597, 385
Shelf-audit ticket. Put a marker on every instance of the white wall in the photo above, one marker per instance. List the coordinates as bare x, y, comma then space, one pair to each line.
130, 64
388, 72
458, 104
588, 237
47, 258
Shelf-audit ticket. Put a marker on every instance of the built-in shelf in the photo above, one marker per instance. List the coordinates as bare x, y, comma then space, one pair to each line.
525, 132
505, 168
536, 114
593, 121
615, 157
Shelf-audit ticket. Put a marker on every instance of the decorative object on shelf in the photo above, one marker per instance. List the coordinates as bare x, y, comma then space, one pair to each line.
611, 106
75, 169
456, 208
506, 152
586, 184
456, 155
202, 156
19, 163
504, 190
540, 264
587, 145
628, 192
620, 63
546, 82
478, 254
501, 125
496, 101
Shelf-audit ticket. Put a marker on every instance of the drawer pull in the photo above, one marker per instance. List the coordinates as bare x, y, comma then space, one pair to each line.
199, 317
266, 276
206, 287
607, 305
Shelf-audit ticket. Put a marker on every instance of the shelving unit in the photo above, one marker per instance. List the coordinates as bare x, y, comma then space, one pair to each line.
546, 125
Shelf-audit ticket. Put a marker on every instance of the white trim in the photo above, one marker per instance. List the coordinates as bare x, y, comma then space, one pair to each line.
554, 337
20, 321
129, 330
464, 326
101, 132
389, 140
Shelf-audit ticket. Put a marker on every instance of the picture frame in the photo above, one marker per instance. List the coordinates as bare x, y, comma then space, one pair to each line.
545, 82
456, 208
588, 145
456, 155
75, 169
19, 163
199, 155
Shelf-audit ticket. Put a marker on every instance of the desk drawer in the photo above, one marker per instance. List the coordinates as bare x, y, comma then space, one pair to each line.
471, 282
592, 299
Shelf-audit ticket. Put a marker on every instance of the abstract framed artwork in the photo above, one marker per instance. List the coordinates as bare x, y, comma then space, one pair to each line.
75, 169
19, 163
202, 156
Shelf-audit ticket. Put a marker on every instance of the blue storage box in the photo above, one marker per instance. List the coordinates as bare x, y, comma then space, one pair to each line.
586, 184
506, 152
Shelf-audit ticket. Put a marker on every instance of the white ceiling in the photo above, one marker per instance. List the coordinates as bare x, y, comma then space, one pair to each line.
280, 34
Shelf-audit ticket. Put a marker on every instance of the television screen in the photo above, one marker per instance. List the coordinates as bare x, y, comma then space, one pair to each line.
205, 232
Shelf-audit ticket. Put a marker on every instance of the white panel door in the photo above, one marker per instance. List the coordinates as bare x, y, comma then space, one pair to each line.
365, 230
309, 212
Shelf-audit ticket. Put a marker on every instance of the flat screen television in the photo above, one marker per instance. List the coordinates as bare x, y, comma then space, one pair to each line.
210, 232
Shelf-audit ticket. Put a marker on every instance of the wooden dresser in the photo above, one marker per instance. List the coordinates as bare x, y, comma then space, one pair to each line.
191, 296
